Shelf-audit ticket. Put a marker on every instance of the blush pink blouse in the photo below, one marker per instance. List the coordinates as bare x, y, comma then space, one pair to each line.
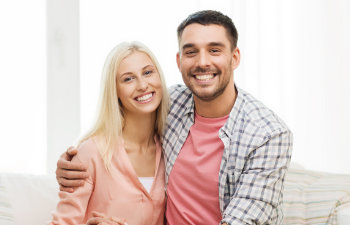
118, 193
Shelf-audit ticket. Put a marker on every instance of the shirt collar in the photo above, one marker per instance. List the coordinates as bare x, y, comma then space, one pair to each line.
235, 113
189, 105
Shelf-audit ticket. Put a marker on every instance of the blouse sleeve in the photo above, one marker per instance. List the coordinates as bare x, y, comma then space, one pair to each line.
71, 208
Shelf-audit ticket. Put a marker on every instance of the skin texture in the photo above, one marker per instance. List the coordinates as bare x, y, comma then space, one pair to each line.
206, 52
137, 76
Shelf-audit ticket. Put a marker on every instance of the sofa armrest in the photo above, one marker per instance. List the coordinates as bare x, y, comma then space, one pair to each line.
6, 215
32, 197
312, 197
343, 215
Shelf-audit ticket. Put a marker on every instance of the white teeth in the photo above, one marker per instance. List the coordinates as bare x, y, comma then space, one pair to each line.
144, 98
204, 77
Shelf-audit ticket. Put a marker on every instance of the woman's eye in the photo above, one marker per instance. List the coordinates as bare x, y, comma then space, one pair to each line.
127, 79
148, 72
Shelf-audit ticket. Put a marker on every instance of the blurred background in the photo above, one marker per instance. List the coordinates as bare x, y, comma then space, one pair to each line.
295, 59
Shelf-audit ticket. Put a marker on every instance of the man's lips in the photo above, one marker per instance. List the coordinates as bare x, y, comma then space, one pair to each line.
204, 77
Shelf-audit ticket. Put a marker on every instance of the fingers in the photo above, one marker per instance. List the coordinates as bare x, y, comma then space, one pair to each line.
69, 178
100, 217
66, 189
97, 214
70, 183
68, 165
102, 221
71, 174
117, 220
94, 221
71, 151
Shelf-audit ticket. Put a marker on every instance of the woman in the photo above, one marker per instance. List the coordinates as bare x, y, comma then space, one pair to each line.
122, 149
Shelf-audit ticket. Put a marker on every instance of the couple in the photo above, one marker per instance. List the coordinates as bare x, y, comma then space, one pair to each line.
225, 154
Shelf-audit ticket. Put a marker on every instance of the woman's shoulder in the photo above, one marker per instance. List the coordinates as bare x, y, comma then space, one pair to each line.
88, 150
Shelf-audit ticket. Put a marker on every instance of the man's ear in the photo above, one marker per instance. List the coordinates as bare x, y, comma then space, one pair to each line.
178, 60
236, 58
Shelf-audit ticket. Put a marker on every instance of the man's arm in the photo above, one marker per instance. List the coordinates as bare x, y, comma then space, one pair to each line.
258, 192
70, 174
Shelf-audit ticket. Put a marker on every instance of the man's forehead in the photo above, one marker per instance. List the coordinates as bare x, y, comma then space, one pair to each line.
197, 34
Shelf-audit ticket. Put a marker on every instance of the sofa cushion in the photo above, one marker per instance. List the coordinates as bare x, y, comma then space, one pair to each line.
32, 197
6, 216
314, 197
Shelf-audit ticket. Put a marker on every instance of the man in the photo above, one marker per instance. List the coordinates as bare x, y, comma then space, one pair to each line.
226, 153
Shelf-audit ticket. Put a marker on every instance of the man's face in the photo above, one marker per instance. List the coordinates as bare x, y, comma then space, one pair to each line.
206, 60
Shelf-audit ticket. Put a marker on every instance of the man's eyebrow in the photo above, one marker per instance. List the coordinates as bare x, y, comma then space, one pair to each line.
220, 44
189, 45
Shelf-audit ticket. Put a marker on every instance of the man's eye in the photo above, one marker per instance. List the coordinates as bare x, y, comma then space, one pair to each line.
215, 50
190, 52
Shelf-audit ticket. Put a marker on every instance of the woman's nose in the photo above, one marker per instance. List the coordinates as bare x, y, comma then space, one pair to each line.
142, 84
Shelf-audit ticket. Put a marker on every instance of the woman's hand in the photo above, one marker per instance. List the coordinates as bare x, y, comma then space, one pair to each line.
101, 219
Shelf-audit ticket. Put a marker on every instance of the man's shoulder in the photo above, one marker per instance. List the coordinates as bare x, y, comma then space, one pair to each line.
180, 96
178, 90
256, 114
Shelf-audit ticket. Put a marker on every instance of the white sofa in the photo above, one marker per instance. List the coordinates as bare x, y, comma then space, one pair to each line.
309, 198
312, 197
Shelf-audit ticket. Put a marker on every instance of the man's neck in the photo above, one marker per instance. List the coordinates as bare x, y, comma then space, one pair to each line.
218, 107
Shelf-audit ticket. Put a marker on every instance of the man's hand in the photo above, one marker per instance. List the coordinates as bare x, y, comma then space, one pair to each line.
69, 174
101, 219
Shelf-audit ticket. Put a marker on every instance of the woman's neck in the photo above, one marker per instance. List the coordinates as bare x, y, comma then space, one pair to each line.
139, 129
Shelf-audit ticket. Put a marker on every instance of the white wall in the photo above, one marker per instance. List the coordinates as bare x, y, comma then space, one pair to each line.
63, 83
295, 58
22, 86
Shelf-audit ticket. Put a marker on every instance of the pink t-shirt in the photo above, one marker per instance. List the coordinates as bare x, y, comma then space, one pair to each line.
193, 187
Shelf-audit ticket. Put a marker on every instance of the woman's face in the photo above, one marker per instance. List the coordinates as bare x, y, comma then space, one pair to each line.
139, 87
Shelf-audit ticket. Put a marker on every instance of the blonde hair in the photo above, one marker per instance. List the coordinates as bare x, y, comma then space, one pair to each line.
110, 120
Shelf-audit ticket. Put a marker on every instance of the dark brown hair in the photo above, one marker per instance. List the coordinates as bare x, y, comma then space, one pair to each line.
207, 17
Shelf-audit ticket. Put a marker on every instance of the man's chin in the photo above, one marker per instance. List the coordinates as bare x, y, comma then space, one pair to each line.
205, 96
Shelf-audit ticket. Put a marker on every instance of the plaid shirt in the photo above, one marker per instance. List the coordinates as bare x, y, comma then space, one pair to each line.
257, 153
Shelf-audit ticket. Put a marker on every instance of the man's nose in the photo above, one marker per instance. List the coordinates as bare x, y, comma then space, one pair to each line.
203, 59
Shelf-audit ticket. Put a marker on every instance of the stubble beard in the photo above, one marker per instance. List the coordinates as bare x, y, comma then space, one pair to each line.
208, 96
